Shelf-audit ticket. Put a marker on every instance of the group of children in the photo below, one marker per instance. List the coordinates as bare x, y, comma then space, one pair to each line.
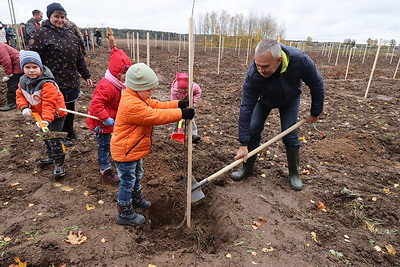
125, 114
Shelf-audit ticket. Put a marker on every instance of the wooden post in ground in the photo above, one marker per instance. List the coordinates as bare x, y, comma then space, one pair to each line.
148, 48
373, 68
190, 127
137, 47
397, 67
337, 55
348, 63
219, 52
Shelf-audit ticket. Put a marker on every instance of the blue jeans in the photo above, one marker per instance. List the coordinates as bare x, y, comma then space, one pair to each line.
103, 153
288, 115
129, 173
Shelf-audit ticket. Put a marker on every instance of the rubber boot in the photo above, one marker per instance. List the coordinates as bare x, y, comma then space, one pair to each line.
138, 202
127, 216
247, 169
56, 154
8, 107
293, 157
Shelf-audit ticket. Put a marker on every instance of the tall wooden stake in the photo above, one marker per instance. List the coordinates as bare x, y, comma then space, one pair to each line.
190, 128
373, 68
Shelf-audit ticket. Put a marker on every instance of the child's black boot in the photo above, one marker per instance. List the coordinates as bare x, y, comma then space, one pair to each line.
127, 216
56, 154
138, 202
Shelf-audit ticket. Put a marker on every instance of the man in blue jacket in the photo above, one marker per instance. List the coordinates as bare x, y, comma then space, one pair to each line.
274, 80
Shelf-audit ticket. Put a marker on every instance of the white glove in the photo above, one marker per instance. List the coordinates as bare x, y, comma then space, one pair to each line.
42, 124
6, 78
27, 112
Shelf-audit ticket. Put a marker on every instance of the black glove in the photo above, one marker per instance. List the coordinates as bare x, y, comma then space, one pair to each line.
187, 113
184, 103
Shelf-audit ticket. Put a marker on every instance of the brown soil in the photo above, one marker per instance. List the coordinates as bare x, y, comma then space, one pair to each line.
354, 170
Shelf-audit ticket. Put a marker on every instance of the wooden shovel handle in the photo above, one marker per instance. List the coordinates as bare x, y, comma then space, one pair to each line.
79, 113
255, 151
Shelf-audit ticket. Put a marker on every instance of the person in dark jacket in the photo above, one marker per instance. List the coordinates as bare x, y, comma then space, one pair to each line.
274, 80
32, 25
60, 51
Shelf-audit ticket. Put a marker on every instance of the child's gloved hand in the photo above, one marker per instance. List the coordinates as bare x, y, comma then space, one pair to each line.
184, 103
42, 124
187, 113
27, 112
109, 122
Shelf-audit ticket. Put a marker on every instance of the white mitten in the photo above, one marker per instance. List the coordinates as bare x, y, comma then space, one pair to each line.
42, 124
6, 78
27, 112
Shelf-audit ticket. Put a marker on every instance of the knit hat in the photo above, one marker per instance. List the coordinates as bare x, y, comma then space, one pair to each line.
26, 57
141, 77
183, 80
54, 7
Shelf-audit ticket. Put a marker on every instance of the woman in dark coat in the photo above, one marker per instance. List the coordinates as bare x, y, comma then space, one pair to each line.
60, 51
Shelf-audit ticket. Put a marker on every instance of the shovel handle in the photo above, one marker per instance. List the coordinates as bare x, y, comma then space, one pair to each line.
37, 117
79, 113
180, 126
252, 153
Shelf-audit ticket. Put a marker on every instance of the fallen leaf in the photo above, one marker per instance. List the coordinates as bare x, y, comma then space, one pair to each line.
254, 253
31, 205
390, 250
86, 193
255, 263
386, 191
75, 239
314, 237
20, 264
371, 227
57, 184
101, 202
7, 239
263, 175
377, 248
228, 255
303, 139
255, 225
90, 207
268, 249
321, 206
14, 184
306, 172
151, 265
103, 240
66, 188
396, 185
374, 199
262, 219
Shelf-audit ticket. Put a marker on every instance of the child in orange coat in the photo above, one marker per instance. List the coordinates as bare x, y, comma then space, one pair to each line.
131, 140
38, 92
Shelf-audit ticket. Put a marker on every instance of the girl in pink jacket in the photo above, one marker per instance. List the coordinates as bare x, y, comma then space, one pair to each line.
179, 90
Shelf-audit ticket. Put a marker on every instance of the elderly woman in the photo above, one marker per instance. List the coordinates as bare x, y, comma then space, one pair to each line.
60, 51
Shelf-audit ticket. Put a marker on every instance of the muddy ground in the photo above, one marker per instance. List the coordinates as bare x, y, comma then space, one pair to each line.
353, 169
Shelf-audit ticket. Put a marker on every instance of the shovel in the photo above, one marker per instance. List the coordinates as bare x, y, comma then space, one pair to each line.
79, 113
179, 135
46, 133
197, 194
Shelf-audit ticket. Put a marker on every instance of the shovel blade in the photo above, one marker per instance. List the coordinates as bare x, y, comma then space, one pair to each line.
197, 194
178, 136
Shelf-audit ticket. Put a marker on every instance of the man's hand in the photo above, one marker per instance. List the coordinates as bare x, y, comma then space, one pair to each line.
242, 153
310, 119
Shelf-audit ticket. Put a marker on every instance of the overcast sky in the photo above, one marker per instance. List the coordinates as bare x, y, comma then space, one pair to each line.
322, 20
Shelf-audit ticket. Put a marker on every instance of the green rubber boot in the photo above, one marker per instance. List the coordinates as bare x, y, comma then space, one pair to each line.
293, 157
247, 169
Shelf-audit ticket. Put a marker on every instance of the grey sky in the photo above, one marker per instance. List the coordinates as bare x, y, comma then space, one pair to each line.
327, 20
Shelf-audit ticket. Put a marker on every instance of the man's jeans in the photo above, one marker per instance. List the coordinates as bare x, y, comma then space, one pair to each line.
288, 116
103, 153
129, 173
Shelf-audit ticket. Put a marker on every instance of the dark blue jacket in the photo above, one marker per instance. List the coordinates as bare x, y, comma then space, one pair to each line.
279, 89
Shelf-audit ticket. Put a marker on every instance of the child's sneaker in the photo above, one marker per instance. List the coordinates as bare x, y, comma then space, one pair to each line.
109, 176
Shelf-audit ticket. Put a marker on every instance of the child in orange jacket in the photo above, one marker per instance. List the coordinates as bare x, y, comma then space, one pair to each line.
38, 92
131, 140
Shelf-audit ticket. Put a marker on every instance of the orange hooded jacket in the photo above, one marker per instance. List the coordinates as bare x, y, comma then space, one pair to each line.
133, 126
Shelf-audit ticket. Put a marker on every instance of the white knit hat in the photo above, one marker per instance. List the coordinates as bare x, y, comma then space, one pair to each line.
141, 77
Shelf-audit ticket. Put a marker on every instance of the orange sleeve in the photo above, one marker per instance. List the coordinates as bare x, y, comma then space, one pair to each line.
20, 98
49, 101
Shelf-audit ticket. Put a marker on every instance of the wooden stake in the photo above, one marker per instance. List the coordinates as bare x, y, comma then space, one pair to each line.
148, 48
219, 52
373, 68
137, 47
395, 71
348, 63
337, 56
190, 126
